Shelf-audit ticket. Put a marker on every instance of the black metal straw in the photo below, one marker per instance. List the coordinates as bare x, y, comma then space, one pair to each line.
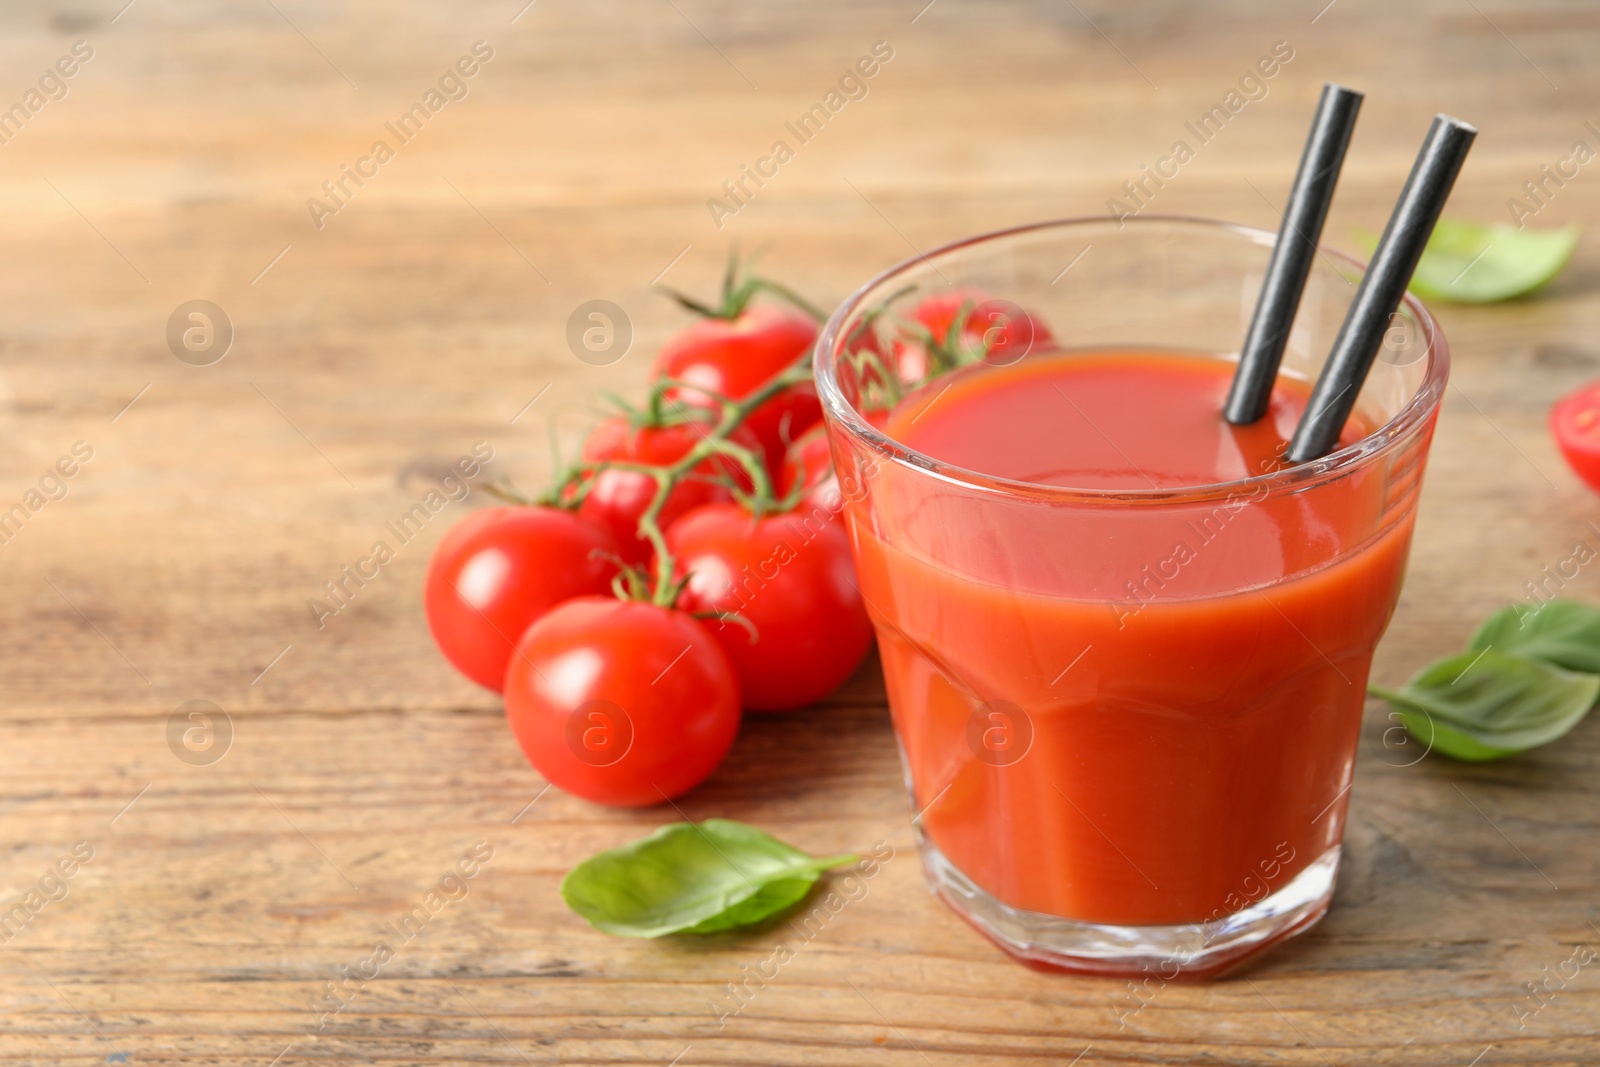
1291, 257
1410, 226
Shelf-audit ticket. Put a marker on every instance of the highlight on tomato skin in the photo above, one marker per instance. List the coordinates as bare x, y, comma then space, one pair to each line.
791, 579
622, 702
1575, 424
499, 569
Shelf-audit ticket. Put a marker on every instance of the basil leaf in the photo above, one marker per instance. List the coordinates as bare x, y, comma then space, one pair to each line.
1486, 705
1435, 734
1470, 263
1564, 633
768, 901
693, 878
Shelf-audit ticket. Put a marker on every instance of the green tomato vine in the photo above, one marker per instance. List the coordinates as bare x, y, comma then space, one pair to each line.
717, 417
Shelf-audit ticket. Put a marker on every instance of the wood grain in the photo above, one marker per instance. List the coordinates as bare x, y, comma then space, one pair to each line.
426, 314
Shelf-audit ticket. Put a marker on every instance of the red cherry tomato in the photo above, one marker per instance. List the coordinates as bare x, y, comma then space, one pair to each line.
497, 570
1007, 332
809, 463
937, 313
999, 329
734, 357
621, 702
871, 351
793, 581
1575, 422
619, 497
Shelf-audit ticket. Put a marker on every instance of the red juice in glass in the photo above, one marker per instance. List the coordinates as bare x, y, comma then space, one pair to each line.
1125, 648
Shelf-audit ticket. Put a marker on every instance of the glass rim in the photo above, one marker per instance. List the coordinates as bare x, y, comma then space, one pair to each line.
1411, 417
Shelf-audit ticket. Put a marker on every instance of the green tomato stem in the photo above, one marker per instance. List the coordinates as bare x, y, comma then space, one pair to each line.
575, 482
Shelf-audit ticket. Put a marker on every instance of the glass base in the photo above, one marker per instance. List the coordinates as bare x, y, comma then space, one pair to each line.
1192, 950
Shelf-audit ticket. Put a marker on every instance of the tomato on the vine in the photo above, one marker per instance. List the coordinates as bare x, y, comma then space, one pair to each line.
997, 331
1575, 422
622, 702
617, 498
791, 579
809, 464
497, 570
735, 356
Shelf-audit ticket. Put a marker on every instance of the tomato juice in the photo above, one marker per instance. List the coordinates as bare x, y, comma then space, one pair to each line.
1130, 705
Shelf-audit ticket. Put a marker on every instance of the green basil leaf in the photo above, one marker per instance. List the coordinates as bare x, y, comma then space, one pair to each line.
1435, 734
772, 898
1564, 633
1486, 705
693, 878
1471, 263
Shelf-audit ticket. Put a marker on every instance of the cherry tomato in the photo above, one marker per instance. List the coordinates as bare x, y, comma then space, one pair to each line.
618, 497
809, 463
497, 570
1007, 332
999, 329
621, 702
1575, 422
734, 357
793, 582
938, 312
871, 352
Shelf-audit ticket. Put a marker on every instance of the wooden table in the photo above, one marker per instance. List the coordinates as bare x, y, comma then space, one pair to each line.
429, 312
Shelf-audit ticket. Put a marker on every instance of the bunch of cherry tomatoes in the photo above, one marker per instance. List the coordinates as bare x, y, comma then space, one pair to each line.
693, 563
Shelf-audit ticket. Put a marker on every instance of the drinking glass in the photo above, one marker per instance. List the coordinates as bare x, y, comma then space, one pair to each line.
1117, 772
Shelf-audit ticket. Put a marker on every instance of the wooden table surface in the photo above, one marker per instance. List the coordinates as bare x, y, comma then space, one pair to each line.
429, 311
